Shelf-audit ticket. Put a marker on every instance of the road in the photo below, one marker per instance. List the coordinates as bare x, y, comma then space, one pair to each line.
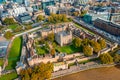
27, 31
100, 32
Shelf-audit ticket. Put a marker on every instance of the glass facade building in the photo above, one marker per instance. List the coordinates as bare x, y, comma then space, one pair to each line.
47, 3
2, 1
18, 1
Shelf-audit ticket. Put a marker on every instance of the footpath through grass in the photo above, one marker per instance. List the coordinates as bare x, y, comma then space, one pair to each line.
14, 54
10, 76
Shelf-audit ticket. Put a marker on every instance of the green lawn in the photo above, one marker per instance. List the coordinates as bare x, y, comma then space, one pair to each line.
84, 62
10, 76
69, 49
14, 54
78, 26
41, 50
13, 26
1, 62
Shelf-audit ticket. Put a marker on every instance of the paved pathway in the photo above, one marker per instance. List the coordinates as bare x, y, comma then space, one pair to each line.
80, 67
7, 71
28, 31
9, 46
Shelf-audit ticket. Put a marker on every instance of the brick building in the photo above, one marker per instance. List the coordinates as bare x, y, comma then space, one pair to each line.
110, 27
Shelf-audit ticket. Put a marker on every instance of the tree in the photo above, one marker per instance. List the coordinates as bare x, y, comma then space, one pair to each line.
75, 13
8, 35
40, 18
96, 46
116, 58
42, 41
55, 18
45, 70
64, 18
1, 27
87, 50
52, 52
35, 76
83, 13
28, 27
50, 19
25, 75
102, 43
9, 21
106, 58
51, 37
77, 42
59, 17
100, 5
18, 29
54, 44
70, 19
47, 46
85, 41
38, 72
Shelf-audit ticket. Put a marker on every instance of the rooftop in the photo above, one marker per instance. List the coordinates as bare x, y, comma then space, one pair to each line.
4, 43
3, 48
63, 33
46, 29
59, 64
110, 23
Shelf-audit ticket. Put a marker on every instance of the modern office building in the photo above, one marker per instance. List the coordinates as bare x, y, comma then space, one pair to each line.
51, 9
77, 2
115, 0
67, 1
87, 18
18, 1
3, 48
25, 17
26, 2
115, 18
2, 1
3, 13
16, 11
46, 3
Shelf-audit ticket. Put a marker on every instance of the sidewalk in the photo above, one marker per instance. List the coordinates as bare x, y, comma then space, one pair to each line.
80, 67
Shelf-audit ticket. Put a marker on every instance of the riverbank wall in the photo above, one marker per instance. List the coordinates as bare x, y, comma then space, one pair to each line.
76, 69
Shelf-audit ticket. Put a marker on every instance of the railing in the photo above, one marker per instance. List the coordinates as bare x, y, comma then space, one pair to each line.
79, 68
